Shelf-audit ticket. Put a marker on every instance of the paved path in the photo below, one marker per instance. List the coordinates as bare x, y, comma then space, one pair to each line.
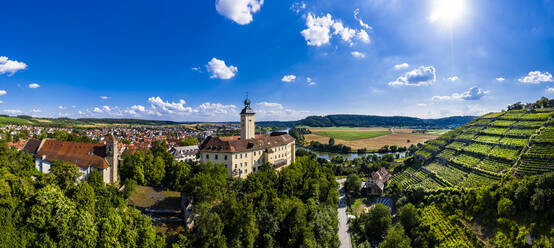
344, 235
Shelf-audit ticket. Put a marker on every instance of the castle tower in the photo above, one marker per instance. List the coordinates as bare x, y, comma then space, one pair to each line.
247, 127
112, 156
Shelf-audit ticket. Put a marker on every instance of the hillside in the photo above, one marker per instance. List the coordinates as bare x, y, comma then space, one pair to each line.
485, 150
383, 121
64, 122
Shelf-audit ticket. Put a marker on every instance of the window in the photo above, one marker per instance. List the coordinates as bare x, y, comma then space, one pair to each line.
216, 156
241, 155
245, 163
235, 166
207, 156
245, 171
241, 165
225, 157
236, 156
246, 155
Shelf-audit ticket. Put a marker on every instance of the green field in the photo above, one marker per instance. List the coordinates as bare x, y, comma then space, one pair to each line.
352, 135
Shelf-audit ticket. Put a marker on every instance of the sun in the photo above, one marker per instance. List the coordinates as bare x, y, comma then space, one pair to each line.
447, 11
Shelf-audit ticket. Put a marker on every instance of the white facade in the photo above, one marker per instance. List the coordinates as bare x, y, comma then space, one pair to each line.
247, 127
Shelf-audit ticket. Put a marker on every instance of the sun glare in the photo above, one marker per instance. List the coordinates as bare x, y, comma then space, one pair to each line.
448, 11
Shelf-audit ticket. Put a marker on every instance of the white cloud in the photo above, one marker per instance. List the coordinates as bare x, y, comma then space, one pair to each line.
360, 21
3, 92
34, 85
500, 79
345, 33
138, 108
288, 78
105, 97
62, 107
310, 81
1, 101
240, 11
276, 111
453, 78
220, 70
297, 7
401, 66
318, 28
36, 110
363, 36
536, 77
214, 109
106, 108
195, 68
357, 54
424, 75
12, 111
318, 31
473, 93
421, 104
80, 112
169, 107
97, 110
550, 90
10, 66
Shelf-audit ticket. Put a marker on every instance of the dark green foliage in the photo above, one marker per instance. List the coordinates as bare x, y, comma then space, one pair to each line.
353, 184
396, 238
371, 226
55, 211
339, 148
188, 141
294, 207
382, 121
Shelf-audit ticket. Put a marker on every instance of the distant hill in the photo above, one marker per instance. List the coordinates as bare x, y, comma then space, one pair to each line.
386, 121
313, 121
64, 122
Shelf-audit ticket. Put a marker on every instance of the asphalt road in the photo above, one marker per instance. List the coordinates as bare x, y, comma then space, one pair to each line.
344, 236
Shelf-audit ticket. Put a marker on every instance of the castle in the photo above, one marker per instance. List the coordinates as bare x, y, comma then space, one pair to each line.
244, 154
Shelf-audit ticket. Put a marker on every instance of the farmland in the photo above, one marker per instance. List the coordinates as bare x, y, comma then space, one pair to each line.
484, 150
351, 135
369, 138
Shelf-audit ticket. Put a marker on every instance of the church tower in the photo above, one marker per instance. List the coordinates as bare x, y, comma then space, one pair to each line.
247, 127
112, 156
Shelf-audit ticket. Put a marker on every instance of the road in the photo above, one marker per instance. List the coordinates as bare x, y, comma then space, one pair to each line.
344, 235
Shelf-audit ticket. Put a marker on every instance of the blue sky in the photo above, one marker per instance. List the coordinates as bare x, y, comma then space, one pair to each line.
195, 60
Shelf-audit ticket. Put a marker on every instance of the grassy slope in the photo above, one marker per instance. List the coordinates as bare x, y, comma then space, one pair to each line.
477, 173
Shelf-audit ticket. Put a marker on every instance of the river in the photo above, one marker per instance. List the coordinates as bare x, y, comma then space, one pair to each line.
349, 156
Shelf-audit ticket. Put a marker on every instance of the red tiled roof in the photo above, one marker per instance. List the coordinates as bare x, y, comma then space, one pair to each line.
83, 155
235, 144
31, 146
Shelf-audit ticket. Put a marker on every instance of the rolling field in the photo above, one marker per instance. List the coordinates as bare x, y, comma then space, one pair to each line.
371, 138
352, 135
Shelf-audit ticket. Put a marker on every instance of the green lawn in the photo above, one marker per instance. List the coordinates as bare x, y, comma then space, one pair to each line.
352, 135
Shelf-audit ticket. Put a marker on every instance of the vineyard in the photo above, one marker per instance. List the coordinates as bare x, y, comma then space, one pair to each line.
515, 143
448, 234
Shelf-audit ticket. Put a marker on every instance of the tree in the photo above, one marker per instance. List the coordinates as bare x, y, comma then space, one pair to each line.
396, 238
506, 207
353, 184
64, 174
378, 221
188, 141
538, 200
155, 171
332, 141
408, 216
